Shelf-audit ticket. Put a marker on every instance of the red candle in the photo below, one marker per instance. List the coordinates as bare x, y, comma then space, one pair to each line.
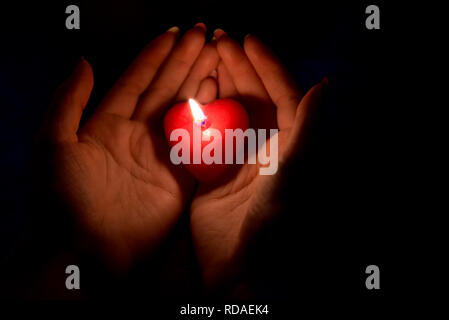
203, 124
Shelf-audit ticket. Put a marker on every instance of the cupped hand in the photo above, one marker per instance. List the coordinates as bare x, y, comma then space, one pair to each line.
225, 217
114, 172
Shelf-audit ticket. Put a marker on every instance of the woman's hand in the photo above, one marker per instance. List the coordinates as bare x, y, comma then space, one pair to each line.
225, 217
114, 173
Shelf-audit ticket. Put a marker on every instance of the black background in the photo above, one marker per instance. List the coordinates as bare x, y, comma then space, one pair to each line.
353, 188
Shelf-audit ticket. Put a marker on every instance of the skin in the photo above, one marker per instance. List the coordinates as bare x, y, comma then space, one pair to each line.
226, 216
115, 174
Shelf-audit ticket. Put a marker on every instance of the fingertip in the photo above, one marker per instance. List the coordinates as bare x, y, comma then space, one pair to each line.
79, 66
163, 43
224, 44
199, 28
82, 72
192, 41
325, 82
316, 93
213, 74
256, 48
87, 72
319, 89
69, 102
211, 47
172, 34
201, 25
86, 64
198, 31
207, 91
248, 41
250, 38
249, 44
213, 41
174, 30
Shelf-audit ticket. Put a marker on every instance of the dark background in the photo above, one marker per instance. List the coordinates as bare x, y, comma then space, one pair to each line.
353, 186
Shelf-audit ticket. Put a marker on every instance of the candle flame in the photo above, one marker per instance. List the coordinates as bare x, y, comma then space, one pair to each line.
197, 113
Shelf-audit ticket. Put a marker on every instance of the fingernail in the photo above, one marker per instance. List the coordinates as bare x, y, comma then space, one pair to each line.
213, 74
77, 68
248, 35
173, 29
201, 25
218, 33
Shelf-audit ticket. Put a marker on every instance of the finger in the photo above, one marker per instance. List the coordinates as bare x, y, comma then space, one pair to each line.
280, 86
309, 103
226, 87
218, 33
247, 82
167, 82
123, 97
204, 65
71, 98
207, 91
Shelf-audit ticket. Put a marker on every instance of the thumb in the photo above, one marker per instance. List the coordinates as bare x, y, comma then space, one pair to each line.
70, 99
304, 113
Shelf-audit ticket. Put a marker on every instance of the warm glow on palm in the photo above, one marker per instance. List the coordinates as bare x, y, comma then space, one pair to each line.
225, 215
114, 173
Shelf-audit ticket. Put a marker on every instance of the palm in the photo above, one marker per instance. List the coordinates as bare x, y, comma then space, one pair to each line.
224, 218
122, 185
114, 172
220, 217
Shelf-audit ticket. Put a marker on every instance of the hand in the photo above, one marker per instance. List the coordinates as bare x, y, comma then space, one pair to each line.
225, 217
114, 173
